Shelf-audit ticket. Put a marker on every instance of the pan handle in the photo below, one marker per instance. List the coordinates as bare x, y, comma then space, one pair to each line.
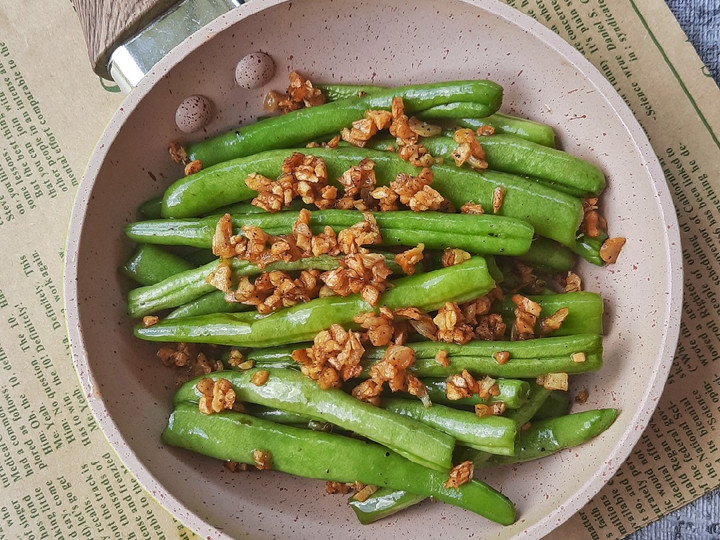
109, 23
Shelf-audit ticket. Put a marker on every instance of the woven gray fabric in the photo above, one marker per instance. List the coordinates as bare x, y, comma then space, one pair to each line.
699, 520
701, 21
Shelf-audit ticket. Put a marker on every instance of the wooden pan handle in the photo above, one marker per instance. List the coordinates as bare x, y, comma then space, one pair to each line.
109, 23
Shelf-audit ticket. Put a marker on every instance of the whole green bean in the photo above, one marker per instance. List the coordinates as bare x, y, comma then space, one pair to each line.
493, 434
294, 392
456, 109
483, 234
472, 116
235, 436
187, 286
528, 358
297, 126
150, 264
302, 322
585, 311
551, 213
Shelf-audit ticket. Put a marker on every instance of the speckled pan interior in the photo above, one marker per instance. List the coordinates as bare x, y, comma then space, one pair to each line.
387, 42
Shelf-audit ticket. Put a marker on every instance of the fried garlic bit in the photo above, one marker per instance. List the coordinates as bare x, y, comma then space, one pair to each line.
420, 321
610, 249
469, 150
277, 289
593, 225
572, 282
460, 474
464, 385
262, 459
363, 233
415, 191
217, 395
554, 381
300, 93
498, 197
491, 409
451, 325
189, 360
362, 491
453, 256
364, 273
553, 322
379, 327
409, 258
303, 176
526, 315
472, 208
334, 357
392, 369
362, 130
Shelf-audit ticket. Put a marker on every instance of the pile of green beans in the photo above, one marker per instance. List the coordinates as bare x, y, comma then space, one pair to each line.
400, 445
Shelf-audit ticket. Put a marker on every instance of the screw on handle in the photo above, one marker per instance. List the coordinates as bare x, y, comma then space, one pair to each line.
107, 24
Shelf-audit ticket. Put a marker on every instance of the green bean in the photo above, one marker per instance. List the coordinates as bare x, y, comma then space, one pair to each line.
520, 127
484, 234
556, 404
302, 322
515, 155
467, 114
151, 264
383, 503
529, 358
212, 302
588, 248
235, 436
187, 286
455, 109
493, 434
294, 392
297, 126
551, 435
548, 256
585, 311
551, 213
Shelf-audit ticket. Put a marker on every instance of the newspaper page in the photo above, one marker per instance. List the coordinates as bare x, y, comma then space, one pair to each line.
60, 478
